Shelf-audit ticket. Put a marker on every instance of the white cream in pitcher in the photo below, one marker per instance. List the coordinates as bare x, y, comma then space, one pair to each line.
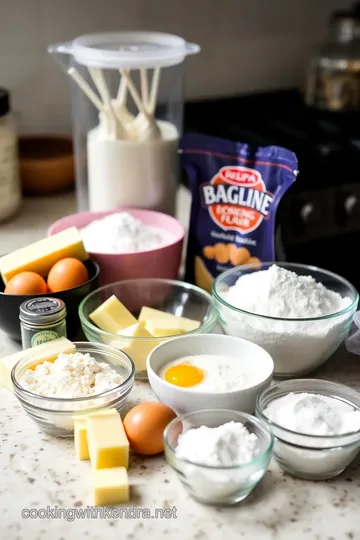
126, 164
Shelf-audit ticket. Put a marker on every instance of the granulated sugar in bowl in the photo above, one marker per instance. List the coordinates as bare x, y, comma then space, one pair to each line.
316, 426
299, 314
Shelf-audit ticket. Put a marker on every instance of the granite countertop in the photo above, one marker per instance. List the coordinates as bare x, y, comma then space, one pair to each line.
41, 472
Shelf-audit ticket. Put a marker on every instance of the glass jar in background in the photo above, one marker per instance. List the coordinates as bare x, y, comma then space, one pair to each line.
127, 95
333, 79
10, 188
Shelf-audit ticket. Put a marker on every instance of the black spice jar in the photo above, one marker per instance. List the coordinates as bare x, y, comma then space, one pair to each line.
42, 319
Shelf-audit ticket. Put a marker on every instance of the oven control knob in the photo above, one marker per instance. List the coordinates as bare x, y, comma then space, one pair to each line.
349, 203
306, 211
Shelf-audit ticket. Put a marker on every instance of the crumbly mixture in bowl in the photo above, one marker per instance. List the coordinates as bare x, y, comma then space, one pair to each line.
71, 376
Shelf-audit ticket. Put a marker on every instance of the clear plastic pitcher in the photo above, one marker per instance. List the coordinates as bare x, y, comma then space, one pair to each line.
127, 94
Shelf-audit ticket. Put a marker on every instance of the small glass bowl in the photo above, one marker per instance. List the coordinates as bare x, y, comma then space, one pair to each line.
55, 415
311, 457
297, 346
176, 297
218, 485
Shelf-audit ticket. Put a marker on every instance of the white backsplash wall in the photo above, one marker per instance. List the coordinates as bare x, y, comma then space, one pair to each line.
246, 45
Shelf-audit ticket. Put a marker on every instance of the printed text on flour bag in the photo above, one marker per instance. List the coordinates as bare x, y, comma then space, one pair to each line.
237, 199
236, 189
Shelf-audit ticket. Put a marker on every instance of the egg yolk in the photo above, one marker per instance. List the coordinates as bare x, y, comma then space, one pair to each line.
184, 375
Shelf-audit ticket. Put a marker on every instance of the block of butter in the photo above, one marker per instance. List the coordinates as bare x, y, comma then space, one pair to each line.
110, 486
108, 444
40, 256
112, 316
45, 352
138, 350
163, 328
80, 433
80, 438
147, 314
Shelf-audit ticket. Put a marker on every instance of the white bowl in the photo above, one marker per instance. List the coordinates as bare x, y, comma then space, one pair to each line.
185, 400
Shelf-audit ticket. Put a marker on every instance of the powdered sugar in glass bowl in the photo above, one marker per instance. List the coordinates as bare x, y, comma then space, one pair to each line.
219, 483
299, 314
320, 446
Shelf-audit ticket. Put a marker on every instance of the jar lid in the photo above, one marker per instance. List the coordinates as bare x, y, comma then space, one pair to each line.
43, 310
4, 101
127, 50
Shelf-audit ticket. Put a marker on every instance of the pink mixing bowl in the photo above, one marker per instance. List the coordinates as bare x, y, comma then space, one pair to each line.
163, 262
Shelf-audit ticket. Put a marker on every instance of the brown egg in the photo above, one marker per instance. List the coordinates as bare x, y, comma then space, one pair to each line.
66, 274
144, 426
26, 283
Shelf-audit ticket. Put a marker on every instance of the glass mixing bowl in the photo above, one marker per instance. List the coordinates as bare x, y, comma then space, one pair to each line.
213, 484
312, 457
176, 297
55, 415
297, 346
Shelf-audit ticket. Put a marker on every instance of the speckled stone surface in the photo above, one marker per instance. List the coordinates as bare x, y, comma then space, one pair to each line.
39, 471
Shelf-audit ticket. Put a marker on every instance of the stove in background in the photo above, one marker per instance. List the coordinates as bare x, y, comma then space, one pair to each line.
319, 216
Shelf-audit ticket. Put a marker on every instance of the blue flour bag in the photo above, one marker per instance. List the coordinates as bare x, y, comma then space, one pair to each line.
236, 189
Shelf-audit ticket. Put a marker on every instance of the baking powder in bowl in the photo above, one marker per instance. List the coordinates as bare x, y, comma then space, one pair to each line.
230, 444
295, 346
314, 414
308, 449
122, 233
222, 446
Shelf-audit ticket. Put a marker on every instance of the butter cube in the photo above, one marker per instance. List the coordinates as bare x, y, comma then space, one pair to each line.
40, 256
105, 412
137, 350
162, 328
46, 352
108, 444
112, 316
110, 486
80, 438
147, 314
80, 433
